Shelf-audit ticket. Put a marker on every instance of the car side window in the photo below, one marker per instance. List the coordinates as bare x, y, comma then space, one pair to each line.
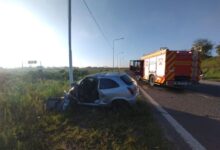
107, 84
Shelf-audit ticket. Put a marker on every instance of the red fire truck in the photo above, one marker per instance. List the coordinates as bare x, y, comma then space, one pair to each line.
168, 67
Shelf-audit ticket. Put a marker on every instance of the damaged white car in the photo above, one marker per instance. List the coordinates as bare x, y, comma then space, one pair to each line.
103, 89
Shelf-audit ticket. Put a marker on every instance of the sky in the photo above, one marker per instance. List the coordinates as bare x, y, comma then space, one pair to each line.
38, 30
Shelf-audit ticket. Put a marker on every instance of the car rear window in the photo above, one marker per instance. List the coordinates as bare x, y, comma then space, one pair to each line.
126, 79
107, 84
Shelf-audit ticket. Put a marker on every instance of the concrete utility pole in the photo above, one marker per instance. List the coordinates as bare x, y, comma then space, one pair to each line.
70, 47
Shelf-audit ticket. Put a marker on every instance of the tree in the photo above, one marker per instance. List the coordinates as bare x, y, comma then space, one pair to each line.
204, 46
218, 49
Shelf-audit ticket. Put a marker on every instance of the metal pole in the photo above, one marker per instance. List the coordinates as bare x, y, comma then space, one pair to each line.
114, 50
69, 42
113, 54
118, 60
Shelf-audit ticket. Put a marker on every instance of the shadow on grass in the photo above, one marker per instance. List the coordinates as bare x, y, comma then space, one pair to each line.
101, 128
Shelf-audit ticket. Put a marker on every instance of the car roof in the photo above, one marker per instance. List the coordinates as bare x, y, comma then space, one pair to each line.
107, 74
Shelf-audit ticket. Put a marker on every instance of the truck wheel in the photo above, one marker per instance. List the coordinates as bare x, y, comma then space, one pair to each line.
151, 80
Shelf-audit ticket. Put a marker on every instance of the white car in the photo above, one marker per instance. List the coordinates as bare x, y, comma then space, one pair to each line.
105, 89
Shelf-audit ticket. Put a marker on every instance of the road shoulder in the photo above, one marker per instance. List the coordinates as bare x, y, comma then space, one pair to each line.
173, 131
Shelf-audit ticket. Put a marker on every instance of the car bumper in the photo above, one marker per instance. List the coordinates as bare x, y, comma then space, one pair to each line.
132, 100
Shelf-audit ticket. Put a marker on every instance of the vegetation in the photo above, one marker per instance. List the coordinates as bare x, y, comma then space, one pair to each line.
210, 65
211, 68
218, 49
25, 125
204, 46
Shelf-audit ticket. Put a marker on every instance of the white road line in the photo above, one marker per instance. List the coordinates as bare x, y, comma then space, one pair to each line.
207, 97
187, 137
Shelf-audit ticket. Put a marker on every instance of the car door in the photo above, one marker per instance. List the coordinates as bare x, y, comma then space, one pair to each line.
88, 90
108, 90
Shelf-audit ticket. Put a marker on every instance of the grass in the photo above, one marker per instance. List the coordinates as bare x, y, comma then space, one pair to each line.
93, 128
25, 125
211, 68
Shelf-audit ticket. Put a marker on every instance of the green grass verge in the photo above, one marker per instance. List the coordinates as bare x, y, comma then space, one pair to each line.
211, 68
101, 128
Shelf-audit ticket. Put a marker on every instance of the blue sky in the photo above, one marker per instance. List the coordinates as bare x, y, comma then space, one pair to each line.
37, 29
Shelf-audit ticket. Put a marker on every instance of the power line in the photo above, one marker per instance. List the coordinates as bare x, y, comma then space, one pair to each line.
96, 22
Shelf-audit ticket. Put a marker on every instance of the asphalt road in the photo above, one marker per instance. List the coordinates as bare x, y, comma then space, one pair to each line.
196, 108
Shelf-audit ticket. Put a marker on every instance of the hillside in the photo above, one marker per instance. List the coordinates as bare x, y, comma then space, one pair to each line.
211, 68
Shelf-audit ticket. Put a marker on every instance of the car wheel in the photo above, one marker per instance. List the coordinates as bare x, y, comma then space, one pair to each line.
151, 80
